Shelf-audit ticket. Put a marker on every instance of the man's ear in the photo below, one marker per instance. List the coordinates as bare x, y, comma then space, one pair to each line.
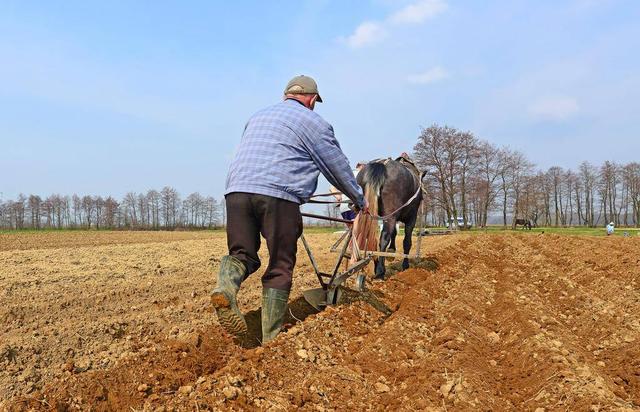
312, 102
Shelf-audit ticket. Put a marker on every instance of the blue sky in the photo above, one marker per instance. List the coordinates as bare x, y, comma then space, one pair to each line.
111, 97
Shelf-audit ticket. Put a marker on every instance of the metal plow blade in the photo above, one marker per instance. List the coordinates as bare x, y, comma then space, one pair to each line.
320, 298
316, 298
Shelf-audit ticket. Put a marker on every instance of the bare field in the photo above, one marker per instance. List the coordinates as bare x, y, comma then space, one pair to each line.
508, 321
78, 238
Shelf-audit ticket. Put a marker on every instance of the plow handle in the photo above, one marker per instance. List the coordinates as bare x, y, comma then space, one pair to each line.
333, 219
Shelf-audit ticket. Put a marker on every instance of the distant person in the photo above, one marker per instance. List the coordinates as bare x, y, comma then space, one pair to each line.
610, 228
345, 211
282, 151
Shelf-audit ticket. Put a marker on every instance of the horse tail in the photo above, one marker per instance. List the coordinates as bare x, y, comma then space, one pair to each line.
374, 177
365, 227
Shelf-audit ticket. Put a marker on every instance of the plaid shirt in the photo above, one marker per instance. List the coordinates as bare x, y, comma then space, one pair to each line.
283, 150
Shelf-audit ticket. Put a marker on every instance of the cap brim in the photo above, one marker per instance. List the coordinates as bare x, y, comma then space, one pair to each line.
319, 99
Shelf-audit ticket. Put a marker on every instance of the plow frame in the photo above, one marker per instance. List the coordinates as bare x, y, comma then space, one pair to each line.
330, 283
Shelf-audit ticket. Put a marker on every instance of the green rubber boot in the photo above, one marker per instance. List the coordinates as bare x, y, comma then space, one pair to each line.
274, 309
223, 298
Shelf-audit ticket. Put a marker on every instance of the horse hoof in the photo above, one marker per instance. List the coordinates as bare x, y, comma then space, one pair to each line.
378, 277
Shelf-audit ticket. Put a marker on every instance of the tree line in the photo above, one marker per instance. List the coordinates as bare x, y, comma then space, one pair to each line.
467, 178
164, 209
470, 178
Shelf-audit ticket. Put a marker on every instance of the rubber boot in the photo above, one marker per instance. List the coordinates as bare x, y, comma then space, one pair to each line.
274, 309
223, 298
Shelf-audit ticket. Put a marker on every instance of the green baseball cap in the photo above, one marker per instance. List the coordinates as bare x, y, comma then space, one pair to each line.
302, 85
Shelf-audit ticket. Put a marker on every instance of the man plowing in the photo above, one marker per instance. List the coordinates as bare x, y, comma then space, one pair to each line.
283, 150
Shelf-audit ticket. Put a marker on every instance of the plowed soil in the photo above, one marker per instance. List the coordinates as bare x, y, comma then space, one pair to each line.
485, 322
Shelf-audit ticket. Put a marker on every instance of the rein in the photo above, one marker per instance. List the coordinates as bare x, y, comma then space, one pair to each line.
328, 202
411, 199
325, 194
331, 219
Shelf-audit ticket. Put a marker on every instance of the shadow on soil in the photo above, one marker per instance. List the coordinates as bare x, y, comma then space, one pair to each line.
299, 310
429, 263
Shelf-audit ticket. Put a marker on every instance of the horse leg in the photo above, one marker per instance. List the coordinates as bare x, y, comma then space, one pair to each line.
408, 231
385, 238
394, 233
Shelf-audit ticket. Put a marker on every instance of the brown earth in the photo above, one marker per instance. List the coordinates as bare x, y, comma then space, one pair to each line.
494, 322
78, 238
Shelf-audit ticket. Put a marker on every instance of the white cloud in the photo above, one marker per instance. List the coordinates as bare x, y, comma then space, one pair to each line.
370, 32
418, 12
366, 33
554, 108
432, 75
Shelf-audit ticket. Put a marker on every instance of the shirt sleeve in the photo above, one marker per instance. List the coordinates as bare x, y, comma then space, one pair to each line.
333, 164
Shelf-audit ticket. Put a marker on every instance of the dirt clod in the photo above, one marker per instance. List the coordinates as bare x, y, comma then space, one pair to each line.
230, 392
381, 387
185, 389
493, 337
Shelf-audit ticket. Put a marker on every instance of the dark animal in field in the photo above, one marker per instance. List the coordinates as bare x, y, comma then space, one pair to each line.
395, 186
525, 223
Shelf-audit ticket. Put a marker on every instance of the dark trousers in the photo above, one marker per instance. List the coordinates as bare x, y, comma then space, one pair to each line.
280, 223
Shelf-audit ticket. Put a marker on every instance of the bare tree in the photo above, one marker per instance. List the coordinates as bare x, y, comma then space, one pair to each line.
212, 212
77, 210
490, 165
555, 176
130, 209
439, 153
170, 204
588, 176
469, 148
631, 176
519, 171
99, 208
570, 181
153, 201
110, 212
143, 210
608, 187
88, 208
35, 203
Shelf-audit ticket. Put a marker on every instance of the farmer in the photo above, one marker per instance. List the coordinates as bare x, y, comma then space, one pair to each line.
610, 228
282, 151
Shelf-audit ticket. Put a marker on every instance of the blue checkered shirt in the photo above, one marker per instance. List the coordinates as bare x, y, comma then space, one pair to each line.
283, 150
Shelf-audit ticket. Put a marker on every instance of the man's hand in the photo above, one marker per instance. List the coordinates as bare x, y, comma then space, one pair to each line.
360, 208
365, 207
